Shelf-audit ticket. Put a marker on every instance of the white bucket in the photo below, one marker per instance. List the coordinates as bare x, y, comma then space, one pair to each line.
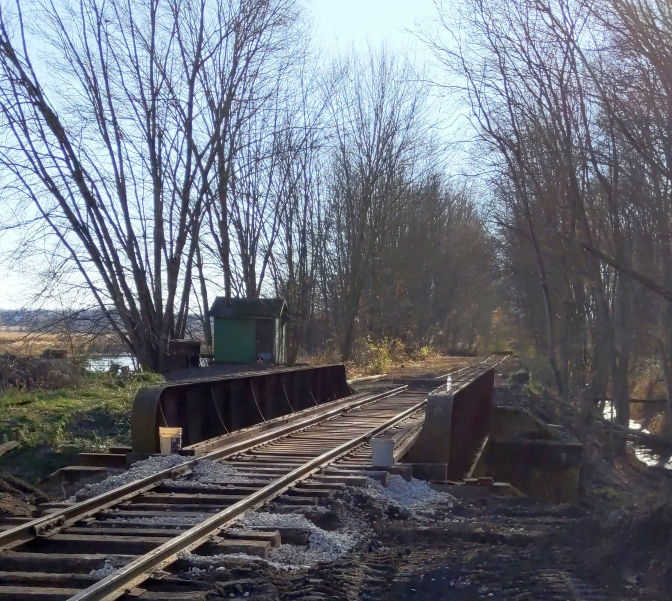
170, 440
382, 451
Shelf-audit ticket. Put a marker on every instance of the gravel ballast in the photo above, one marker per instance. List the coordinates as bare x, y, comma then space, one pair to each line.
140, 469
206, 474
214, 473
323, 545
409, 494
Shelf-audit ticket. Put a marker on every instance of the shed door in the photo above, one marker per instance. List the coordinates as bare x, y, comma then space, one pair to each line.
265, 342
235, 341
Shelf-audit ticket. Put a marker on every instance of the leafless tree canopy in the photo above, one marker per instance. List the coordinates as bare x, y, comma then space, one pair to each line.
571, 101
173, 150
165, 151
121, 147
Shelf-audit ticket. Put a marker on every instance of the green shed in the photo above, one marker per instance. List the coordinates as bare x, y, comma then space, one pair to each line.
249, 330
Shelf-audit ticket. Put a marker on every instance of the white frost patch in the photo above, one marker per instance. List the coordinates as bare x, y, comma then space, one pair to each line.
406, 493
140, 469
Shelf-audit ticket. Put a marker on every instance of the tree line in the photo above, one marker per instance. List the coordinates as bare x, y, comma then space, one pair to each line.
572, 102
165, 151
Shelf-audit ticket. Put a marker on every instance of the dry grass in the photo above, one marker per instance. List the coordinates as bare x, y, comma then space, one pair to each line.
33, 344
392, 357
413, 367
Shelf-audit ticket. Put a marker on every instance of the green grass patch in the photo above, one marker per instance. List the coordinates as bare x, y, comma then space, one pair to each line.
54, 425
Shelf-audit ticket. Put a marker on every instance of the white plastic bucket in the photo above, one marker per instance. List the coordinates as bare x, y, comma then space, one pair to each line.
170, 440
382, 451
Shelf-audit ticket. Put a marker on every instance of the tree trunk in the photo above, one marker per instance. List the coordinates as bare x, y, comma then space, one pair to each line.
205, 306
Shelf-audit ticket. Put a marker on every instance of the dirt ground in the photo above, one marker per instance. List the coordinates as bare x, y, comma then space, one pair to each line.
613, 545
434, 366
17, 497
469, 550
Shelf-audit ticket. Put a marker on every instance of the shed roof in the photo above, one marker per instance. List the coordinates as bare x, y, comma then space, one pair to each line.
248, 308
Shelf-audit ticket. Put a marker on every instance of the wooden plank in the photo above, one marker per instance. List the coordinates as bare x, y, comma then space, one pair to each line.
150, 511
380, 476
130, 522
260, 466
346, 480
201, 498
294, 536
58, 562
145, 595
124, 531
309, 487
49, 578
285, 508
159, 509
120, 450
222, 546
311, 491
273, 537
76, 543
225, 489
9, 521
31, 593
296, 500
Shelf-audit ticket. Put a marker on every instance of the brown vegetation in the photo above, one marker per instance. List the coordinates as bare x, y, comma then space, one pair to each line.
33, 344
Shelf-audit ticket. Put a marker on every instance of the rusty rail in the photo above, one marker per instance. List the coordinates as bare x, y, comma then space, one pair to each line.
136, 572
68, 515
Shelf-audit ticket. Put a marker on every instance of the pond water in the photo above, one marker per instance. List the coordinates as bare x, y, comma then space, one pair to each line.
644, 415
100, 363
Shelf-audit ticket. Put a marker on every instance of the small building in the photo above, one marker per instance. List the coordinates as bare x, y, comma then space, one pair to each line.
249, 330
182, 354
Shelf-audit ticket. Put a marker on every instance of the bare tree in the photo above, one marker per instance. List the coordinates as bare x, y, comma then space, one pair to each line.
244, 87
377, 128
558, 164
299, 248
125, 161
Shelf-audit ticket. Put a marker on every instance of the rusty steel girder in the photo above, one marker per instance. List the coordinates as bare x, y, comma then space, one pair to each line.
209, 407
456, 422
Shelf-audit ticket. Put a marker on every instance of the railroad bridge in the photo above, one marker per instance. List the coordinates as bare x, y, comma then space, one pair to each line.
291, 438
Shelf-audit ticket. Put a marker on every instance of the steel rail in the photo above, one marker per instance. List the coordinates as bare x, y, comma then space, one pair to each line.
140, 569
463, 373
66, 516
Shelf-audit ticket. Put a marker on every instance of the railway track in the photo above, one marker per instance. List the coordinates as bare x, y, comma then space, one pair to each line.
121, 543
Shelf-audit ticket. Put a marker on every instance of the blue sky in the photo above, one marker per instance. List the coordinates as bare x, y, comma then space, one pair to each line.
339, 27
